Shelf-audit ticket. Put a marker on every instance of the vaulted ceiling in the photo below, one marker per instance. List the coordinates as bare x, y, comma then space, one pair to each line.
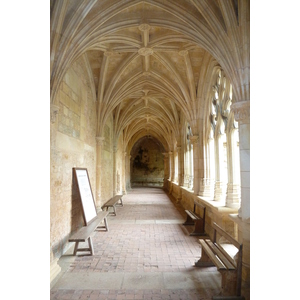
148, 60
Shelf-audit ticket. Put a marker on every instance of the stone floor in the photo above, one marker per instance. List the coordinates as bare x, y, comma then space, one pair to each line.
146, 254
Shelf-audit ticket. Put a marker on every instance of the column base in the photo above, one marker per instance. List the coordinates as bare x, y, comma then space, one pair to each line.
207, 187
219, 193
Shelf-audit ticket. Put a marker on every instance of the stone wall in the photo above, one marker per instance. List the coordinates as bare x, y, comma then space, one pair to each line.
147, 167
72, 145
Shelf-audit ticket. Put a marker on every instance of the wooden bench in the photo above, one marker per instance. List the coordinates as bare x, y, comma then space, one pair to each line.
192, 218
113, 202
230, 266
85, 232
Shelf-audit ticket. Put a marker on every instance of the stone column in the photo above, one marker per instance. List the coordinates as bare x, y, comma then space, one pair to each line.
175, 163
115, 150
207, 182
233, 194
242, 116
99, 142
196, 182
180, 179
220, 185
127, 172
166, 168
171, 164
124, 173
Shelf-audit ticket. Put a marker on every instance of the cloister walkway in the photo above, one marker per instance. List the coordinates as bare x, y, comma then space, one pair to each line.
146, 254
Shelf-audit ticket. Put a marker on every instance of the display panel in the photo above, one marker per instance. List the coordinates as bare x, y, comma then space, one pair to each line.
86, 195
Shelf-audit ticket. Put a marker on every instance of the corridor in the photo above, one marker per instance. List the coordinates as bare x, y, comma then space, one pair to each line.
146, 254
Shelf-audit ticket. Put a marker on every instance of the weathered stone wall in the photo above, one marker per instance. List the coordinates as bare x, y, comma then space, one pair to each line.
73, 144
147, 164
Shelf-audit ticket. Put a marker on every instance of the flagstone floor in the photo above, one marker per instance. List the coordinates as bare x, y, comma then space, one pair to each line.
146, 254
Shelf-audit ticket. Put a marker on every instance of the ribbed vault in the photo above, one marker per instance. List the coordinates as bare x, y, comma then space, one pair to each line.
148, 61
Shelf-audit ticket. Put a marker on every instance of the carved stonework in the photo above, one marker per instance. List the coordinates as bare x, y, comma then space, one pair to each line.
144, 27
53, 113
241, 111
183, 52
194, 139
100, 140
145, 51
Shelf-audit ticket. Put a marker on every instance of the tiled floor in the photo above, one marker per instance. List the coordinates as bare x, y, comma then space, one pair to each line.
146, 254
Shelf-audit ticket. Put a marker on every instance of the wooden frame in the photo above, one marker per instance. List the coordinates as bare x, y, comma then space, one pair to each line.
86, 194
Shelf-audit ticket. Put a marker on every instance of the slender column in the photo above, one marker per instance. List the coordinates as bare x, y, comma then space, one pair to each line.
186, 166
171, 163
242, 115
115, 149
233, 186
208, 180
99, 142
220, 185
127, 173
196, 182
166, 168
175, 163
180, 181
124, 162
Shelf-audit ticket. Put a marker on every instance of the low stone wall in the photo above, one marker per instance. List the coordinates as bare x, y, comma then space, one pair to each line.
215, 211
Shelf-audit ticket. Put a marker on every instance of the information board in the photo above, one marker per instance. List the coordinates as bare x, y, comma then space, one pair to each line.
86, 195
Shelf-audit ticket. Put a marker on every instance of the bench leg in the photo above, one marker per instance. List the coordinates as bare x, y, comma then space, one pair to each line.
75, 248
91, 245
114, 210
103, 226
120, 202
204, 260
189, 221
106, 224
199, 228
90, 248
229, 282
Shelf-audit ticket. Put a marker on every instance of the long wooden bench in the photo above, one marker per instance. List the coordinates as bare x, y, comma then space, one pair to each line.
230, 266
113, 202
194, 218
85, 232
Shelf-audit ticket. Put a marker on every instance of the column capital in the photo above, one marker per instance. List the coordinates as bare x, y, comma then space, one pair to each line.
194, 139
100, 140
54, 109
241, 111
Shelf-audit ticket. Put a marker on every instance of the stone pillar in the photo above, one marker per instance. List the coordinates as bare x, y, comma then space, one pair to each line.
233, 194
124, 173
208, 181
196, 182
180, 179
115, 150
220, 185
242, 116
166, 169
127, 172
186, 155
175, 165
99, 142
171, 164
